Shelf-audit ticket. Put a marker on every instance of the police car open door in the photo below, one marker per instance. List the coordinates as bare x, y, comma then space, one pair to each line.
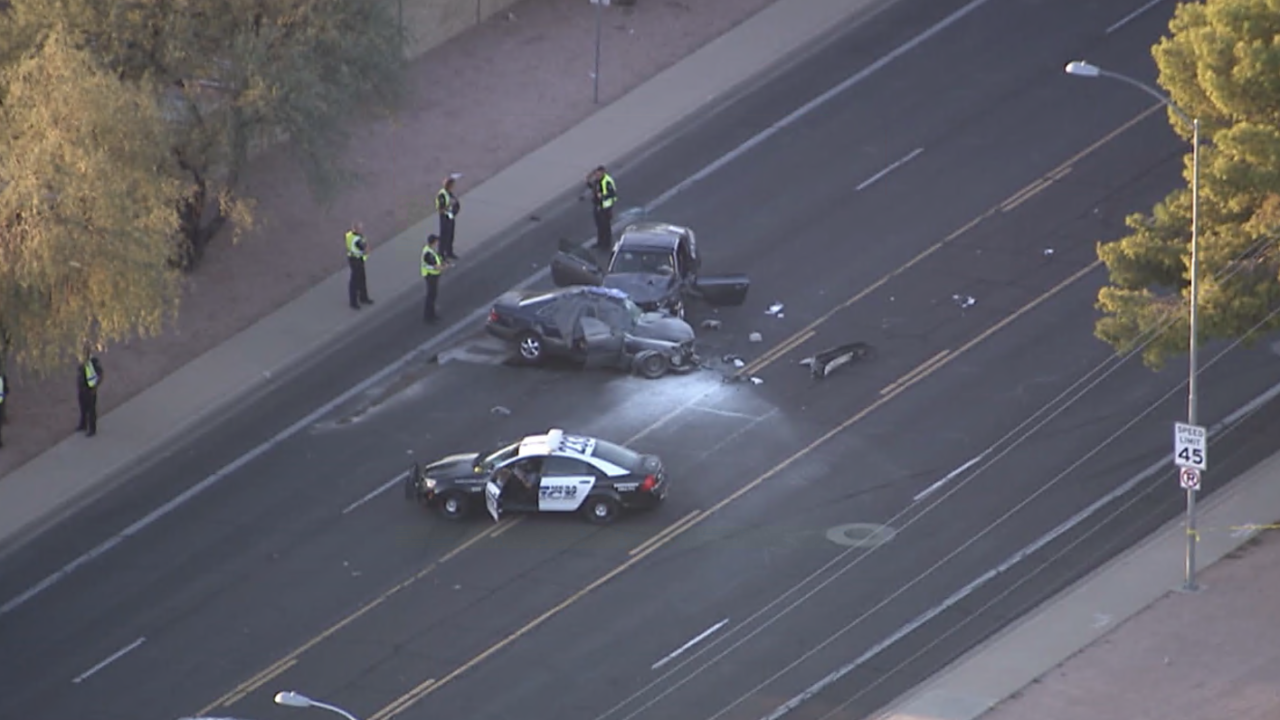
493, 499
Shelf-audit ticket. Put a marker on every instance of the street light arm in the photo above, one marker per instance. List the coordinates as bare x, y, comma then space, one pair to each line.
335, 709
1150, 91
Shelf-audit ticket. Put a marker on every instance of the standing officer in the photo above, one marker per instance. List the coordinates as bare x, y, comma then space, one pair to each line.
4, 390
432, 266
357, 253
88, 377
448, 207
604, 194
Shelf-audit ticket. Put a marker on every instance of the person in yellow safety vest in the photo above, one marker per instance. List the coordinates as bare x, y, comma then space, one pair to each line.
432, 265
88, 378
357, 253
604, 193
4, 391
448, 207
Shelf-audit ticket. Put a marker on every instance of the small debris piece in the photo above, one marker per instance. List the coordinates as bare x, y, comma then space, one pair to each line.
738, 363
755, 337
711, 324
756, 381
774, 309
500, 410
964, 301
1048, 252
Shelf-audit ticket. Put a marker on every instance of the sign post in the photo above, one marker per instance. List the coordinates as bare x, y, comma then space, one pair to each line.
1191, 455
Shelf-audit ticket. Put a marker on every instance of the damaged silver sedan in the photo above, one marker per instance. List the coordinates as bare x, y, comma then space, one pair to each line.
600, 327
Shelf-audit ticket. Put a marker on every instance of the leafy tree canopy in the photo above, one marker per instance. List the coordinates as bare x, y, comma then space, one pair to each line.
88, 222
1220, 63
235, 75
222, 78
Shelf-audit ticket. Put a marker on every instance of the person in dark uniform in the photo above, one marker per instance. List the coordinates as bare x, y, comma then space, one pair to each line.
448, 207
88, 378
357, 253
432, 265
4, 392
604, 194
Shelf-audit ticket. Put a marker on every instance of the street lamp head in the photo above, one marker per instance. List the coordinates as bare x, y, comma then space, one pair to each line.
1083, 69
293, 699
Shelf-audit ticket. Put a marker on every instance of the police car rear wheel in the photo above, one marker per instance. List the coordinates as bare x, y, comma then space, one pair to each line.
601, 509
454, 506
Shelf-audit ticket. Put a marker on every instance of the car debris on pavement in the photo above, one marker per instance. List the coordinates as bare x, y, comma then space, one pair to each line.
828, 361
964, 301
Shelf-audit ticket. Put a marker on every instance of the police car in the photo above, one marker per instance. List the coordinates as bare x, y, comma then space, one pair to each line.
551, 472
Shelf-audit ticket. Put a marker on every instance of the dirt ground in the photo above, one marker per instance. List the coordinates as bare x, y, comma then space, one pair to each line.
475, 105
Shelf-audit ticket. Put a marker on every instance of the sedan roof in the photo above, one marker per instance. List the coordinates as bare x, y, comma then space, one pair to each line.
655, 235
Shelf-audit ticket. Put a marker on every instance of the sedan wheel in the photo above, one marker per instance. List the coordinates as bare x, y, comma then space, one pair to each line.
530, 346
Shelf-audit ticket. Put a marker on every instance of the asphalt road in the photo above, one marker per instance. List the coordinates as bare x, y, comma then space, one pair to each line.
287, 574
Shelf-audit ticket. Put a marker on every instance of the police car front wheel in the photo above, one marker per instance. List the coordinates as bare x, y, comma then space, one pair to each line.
601, 509
454, 506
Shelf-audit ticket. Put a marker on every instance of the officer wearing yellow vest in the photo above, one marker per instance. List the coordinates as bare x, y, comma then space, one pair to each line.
448, 207
432, 265
604, 193
4, 391
88, 378
357, 253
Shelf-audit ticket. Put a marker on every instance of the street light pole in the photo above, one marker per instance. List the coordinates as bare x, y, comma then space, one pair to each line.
595, 75
1083, 69
298, 700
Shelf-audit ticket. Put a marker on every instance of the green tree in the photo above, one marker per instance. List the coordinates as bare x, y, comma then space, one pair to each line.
237, 75
86, 207
1220, 63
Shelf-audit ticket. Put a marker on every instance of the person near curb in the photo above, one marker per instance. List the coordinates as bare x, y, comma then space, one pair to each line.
4, 391
432, 265
88, 378
604, 193
357, 253
448, 207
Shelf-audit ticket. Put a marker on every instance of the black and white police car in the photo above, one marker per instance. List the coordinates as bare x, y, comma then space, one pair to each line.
552, 472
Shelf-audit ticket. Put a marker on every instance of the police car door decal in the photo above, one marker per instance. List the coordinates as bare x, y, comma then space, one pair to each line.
564, 493
491, 493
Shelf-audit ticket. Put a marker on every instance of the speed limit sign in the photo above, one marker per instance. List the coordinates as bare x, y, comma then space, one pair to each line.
1189, 478
1190, 446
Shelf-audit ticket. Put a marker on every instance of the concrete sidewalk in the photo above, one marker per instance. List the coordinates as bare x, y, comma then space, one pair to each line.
73, 470
1126, 642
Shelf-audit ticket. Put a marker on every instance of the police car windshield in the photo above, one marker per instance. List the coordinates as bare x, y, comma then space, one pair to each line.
647, 262
498, 456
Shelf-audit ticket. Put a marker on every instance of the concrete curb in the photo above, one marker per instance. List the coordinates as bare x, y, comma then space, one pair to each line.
1068, 623
72, 470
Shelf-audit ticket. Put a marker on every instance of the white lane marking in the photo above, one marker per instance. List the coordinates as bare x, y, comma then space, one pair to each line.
1132, 16
1024, 553
110, 659
897, 164
703, 636
725, 413
477, 314
822, 99
950, 476
376, 492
